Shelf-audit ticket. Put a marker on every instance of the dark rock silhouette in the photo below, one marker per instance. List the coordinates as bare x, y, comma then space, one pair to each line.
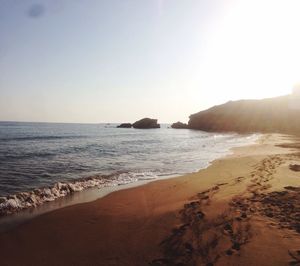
125, 125
280, 114
146, 123
295, 167
179, 125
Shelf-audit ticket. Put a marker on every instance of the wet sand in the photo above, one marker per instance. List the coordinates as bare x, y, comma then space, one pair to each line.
242, 210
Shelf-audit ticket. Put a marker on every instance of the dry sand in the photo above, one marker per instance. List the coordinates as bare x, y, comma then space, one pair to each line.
242, 210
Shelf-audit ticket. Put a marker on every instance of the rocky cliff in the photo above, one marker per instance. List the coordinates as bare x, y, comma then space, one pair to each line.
280, 114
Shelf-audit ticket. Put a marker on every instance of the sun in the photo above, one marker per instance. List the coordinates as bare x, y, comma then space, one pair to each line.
254, 52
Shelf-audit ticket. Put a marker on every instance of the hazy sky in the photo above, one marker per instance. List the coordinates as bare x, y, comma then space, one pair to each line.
121, 60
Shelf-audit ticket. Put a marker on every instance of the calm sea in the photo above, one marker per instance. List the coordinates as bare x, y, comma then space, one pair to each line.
49, 160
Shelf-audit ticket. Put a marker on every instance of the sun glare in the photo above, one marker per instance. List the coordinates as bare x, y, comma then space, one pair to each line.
254, 52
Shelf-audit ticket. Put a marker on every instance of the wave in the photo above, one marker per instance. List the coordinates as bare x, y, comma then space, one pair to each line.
25, 200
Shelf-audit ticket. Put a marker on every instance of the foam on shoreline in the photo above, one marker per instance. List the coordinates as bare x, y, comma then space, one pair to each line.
25, 200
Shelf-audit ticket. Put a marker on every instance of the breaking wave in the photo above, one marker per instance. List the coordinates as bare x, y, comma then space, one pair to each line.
25, 200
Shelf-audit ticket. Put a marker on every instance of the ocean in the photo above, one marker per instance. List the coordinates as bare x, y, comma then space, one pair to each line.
40, 162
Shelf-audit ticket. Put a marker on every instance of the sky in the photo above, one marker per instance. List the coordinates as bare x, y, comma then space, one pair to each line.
94, 61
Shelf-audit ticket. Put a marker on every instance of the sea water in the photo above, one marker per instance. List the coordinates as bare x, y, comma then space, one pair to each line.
40, 162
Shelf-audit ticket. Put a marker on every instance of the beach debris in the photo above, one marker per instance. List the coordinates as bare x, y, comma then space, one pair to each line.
295, 167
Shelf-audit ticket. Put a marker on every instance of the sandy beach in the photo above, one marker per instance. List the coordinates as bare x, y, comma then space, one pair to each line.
244, 209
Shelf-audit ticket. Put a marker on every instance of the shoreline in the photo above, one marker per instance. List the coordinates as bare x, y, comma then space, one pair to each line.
91, 193
148, 213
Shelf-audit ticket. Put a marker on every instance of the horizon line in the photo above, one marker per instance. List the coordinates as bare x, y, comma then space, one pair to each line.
51, 122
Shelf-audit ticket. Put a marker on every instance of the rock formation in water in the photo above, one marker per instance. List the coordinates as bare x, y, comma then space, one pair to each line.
146, 123
179, 125
125, 125
280, 114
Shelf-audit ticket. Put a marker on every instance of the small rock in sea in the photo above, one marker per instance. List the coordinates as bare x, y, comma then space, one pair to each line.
179, 125
124, 125
146, 123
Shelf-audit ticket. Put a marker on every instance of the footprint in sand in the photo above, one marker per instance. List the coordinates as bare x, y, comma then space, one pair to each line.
295, 254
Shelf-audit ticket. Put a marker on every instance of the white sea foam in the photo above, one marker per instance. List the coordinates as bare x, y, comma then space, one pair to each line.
24, 200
